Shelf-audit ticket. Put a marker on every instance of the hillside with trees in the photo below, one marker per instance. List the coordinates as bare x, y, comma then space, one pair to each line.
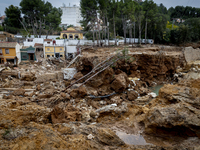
35, 17
143, 20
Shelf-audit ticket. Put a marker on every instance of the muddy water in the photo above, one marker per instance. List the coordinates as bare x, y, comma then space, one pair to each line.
156, 89
132, 139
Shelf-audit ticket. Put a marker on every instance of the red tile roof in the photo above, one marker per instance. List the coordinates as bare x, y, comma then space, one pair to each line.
65, 31
38, 45
8, 44
49, 40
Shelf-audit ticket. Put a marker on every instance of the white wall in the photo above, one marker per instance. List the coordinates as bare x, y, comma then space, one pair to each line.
70, 49
35, 40
71, 15
18, 54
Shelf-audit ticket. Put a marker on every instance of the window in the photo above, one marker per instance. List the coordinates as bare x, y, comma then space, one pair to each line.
24, 56
0, 51
48, 55
61, 55
7, 51
48, 49
61, 49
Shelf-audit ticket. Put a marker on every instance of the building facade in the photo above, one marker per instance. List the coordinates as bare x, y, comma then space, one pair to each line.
28, 54
54, 48
4, 36
71, 33
10, 52
71, 16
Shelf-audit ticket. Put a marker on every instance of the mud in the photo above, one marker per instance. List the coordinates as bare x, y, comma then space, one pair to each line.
114, 109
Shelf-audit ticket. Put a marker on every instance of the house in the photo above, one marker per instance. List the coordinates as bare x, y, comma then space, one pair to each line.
37, 43
4, 36
10, 52
28, 54
71, 33
54, 48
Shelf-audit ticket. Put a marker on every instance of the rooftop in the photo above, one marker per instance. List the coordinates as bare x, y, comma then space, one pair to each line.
8, 44
48, 40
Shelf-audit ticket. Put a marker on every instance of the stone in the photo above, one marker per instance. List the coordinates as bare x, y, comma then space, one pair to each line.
78, 75
132, 95
120, 83
19, 92
90, 137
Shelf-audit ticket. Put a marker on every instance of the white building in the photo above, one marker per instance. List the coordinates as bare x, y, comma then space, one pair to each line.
71, 16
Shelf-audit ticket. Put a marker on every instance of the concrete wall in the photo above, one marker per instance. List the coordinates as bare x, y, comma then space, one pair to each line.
191, 54
111, 42
17, 48
71, 15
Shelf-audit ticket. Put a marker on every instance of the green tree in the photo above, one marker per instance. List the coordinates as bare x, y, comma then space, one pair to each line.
53, 19
139, 15
13, 15
89, 14
150, 12
39, 15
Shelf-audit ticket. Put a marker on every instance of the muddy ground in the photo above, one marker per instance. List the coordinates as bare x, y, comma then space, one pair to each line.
108, 106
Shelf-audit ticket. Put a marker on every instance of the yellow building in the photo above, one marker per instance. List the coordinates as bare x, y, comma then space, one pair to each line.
54, 48
4, 36
9, 52
71, 33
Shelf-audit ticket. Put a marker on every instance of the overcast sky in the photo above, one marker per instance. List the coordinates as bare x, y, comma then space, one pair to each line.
59, 3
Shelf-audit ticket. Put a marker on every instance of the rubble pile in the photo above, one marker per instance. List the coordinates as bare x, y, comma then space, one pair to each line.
41, 110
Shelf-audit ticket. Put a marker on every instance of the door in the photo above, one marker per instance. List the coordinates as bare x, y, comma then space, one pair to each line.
2, 61
31, 57
57, 55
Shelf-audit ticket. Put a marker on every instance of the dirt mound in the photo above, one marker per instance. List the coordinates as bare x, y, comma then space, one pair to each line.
176, 111
70, 113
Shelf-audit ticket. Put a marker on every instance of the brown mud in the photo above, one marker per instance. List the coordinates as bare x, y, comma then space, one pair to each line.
113, 110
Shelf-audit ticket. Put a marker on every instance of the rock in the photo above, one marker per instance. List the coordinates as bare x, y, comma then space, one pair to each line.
152, 94
44, 95
60, 76
120, 83
86, 116
132, 95
116, 99
70, 113
108, 137
80, 92
46, 77
19, 92
176, 110
93, 114
63, 95
142, 100
78, 76
28, 77
113, 109
90, 136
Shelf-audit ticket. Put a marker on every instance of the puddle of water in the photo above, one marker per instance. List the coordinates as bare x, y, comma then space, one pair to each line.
156, 89
132, 139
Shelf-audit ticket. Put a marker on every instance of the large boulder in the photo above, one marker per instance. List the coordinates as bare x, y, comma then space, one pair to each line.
120, 83
176, 110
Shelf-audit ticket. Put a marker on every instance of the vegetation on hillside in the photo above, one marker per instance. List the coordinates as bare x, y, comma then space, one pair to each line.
143, 20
